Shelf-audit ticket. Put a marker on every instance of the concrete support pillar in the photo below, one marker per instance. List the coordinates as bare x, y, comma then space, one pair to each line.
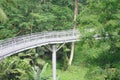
54, 62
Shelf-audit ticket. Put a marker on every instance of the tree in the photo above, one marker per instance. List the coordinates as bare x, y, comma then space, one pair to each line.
103, 20
99, 26
74, 26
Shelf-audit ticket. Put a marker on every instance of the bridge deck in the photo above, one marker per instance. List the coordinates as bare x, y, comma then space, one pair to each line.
20, 43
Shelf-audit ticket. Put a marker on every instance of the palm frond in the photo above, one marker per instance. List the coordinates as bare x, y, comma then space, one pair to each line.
3, 16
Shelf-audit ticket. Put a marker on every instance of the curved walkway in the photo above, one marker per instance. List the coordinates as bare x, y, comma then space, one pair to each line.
20, 43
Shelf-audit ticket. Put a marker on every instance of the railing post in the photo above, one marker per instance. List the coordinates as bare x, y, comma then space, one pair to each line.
12, 43
0, 46
54, 61
73, 32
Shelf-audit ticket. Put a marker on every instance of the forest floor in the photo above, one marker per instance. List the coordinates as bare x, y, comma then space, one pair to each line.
73, 73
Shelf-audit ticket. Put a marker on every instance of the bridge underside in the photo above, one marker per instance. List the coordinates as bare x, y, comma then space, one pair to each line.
28, 45
14, 45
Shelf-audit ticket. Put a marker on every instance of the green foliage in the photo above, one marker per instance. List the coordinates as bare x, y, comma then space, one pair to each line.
14, 68
98, 19
43, 71
33, 16
95, 73
38, 73
104, 24
73, 73
3, 17
30, 67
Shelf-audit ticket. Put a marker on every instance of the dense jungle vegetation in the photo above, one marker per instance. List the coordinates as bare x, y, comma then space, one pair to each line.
94, 58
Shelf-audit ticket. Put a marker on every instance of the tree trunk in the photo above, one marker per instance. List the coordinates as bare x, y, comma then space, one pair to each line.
73, 44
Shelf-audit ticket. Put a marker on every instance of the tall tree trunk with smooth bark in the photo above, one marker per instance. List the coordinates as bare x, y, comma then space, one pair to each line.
73, 44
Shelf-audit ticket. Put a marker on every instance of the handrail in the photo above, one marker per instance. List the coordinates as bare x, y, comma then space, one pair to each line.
13, 45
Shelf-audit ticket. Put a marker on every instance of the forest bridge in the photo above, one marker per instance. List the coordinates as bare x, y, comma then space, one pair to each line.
20, 43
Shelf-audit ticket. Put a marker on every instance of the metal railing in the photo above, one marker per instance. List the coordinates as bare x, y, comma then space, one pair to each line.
39, 38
